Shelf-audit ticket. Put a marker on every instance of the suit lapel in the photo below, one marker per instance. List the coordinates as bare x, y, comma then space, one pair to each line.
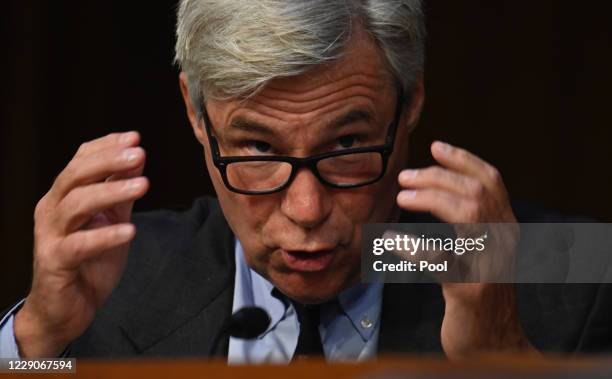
181, 311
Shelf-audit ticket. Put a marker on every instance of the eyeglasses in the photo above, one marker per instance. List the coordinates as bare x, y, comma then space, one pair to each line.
346, 168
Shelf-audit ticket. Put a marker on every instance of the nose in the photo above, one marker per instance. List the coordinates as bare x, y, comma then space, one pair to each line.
306, 201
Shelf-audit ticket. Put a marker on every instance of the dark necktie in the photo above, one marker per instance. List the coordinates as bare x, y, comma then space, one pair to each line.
309, 341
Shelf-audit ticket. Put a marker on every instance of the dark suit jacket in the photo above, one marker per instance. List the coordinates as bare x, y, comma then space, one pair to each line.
177, 290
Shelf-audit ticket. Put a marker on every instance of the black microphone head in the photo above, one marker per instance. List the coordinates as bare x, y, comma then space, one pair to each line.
248, 323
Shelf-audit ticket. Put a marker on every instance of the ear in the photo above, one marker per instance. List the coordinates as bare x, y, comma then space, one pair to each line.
416, 104
198, 129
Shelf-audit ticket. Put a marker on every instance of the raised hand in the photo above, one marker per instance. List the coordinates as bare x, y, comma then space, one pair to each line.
82, 232
465, 189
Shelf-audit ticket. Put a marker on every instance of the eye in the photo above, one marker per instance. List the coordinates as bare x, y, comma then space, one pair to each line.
260, 146
347, 141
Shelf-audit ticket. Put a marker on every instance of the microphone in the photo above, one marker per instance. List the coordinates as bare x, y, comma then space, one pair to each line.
245, 323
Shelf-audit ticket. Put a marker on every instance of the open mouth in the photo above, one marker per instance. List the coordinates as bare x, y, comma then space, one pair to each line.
310, 261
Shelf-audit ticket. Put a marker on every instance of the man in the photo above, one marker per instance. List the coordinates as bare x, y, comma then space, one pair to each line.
304, 111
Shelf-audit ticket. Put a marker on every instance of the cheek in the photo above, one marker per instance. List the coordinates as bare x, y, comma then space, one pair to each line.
357, 204
369, 204
246, 217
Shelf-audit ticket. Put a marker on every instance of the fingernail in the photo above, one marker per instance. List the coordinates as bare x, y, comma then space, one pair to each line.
131, 154
127, 137
442, 147
408, 175
406, 195
133, 185
125, 231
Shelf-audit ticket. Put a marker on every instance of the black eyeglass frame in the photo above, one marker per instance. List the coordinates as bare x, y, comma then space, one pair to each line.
309, 162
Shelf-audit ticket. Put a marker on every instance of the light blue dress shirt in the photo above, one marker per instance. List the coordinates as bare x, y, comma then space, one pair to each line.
349, 328
8, 345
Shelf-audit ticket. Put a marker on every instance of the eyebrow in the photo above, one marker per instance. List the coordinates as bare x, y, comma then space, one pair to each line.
351, 117
241, 123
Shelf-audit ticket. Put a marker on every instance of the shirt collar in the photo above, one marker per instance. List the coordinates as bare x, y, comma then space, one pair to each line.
360, 303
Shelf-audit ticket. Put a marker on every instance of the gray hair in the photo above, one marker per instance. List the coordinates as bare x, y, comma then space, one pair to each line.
232, 48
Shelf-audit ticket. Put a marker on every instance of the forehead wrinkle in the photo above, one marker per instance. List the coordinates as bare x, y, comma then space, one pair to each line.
255, 116
296, 100
302, 108
296, 93
319, 113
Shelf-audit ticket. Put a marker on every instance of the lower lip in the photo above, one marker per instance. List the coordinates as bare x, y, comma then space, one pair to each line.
309, 262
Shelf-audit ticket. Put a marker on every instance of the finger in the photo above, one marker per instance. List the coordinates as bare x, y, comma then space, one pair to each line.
467, 163
81, 204
446, 206
127, 139
127, 174
122, 211
441, 178
96, 167
87, 244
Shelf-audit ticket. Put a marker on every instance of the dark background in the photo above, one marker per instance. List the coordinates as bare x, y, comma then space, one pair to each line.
524, 84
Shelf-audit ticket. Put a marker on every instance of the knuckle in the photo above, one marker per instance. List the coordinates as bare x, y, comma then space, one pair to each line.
73, 209
59, 181
114, 137
435, 171
434, 174
40, 209
43, 219
461, 154
494, 175
75, 202
68, 172
83, 148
